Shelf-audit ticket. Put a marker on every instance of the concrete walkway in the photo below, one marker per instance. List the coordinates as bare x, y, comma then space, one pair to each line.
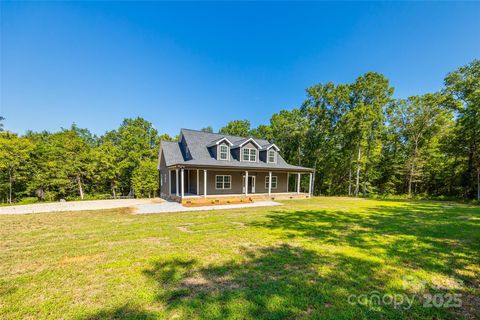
177, 207
78, 205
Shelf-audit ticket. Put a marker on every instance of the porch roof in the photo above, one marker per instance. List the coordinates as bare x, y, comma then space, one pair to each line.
238, 165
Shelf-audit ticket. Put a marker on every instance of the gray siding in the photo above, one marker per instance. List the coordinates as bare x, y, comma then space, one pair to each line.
163, 175
238, 181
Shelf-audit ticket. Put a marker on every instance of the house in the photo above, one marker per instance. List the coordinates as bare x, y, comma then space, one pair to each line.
212, 165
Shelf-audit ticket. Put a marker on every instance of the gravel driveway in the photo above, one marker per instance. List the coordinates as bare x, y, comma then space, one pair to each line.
77, 205
140, 206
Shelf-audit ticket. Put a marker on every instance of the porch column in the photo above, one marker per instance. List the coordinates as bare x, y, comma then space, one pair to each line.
270, 182
246, 183
288, 180
298, 182
182, 184
310, 184
198, 182
170, 182
204, 183
176, 182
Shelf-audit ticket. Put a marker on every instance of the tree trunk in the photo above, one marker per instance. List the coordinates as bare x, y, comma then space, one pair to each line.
366, 171
478, 183
350, 181
350, 175
410, 179
365, 181
412, 168
10, 178
80, 188
113, 190
357, 184
299, 154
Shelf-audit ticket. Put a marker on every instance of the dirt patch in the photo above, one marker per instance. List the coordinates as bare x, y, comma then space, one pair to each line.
184, 228
240, 224
199, 284
78, 259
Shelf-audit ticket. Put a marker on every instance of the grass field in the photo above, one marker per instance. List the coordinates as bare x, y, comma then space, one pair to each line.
319, 258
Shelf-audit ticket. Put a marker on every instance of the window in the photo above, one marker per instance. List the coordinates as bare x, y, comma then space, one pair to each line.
223, 182
250, 154
223, 153
274, 182
271, 156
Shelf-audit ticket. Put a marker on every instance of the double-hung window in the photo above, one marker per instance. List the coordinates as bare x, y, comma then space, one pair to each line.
223, 152
223, 182
274, 182
249, 154
271, 156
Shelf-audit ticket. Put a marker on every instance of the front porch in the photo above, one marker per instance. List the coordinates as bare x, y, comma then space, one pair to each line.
192, 185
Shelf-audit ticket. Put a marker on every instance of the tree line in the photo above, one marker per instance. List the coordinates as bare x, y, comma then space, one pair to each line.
360, 140
363, 142
75, 164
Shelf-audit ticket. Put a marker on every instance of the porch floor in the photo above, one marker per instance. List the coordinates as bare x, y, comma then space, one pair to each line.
263, 194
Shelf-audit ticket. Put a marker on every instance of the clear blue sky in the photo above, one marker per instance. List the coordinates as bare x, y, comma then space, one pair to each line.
198, 64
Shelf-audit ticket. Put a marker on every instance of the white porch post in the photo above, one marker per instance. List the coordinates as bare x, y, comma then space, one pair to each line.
288, 180
310, 184
270, 182
204, 183
298, 182
176, 182
198, 182
182, 183
246, 183
170, 182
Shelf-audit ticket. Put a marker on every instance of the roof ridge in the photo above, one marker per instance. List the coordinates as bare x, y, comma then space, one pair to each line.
222, 134
216, 133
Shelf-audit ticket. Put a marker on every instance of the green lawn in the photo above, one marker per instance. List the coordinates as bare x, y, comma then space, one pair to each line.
305, 259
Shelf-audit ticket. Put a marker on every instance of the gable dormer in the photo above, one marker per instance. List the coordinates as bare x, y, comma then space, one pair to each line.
269, 153
220, 149
248, 150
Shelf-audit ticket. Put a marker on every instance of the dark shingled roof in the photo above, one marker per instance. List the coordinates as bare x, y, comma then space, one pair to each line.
197, 143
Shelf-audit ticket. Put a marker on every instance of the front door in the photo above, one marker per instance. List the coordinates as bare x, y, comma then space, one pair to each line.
251, 184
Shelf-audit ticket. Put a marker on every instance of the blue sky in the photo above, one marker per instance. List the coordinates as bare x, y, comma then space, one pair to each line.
198, 64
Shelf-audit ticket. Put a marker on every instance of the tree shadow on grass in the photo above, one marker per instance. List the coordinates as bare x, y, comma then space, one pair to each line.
306, 281
433, 237
279, 282
438, 238
122, 312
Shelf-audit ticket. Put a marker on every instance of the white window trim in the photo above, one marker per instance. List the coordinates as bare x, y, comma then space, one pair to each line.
224, 139
223, 182
249, 154
218, 152
274, 156
250, 140
276, 182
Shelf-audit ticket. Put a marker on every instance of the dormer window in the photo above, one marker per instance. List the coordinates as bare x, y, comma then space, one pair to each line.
223, 152
271, 156
249, 154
